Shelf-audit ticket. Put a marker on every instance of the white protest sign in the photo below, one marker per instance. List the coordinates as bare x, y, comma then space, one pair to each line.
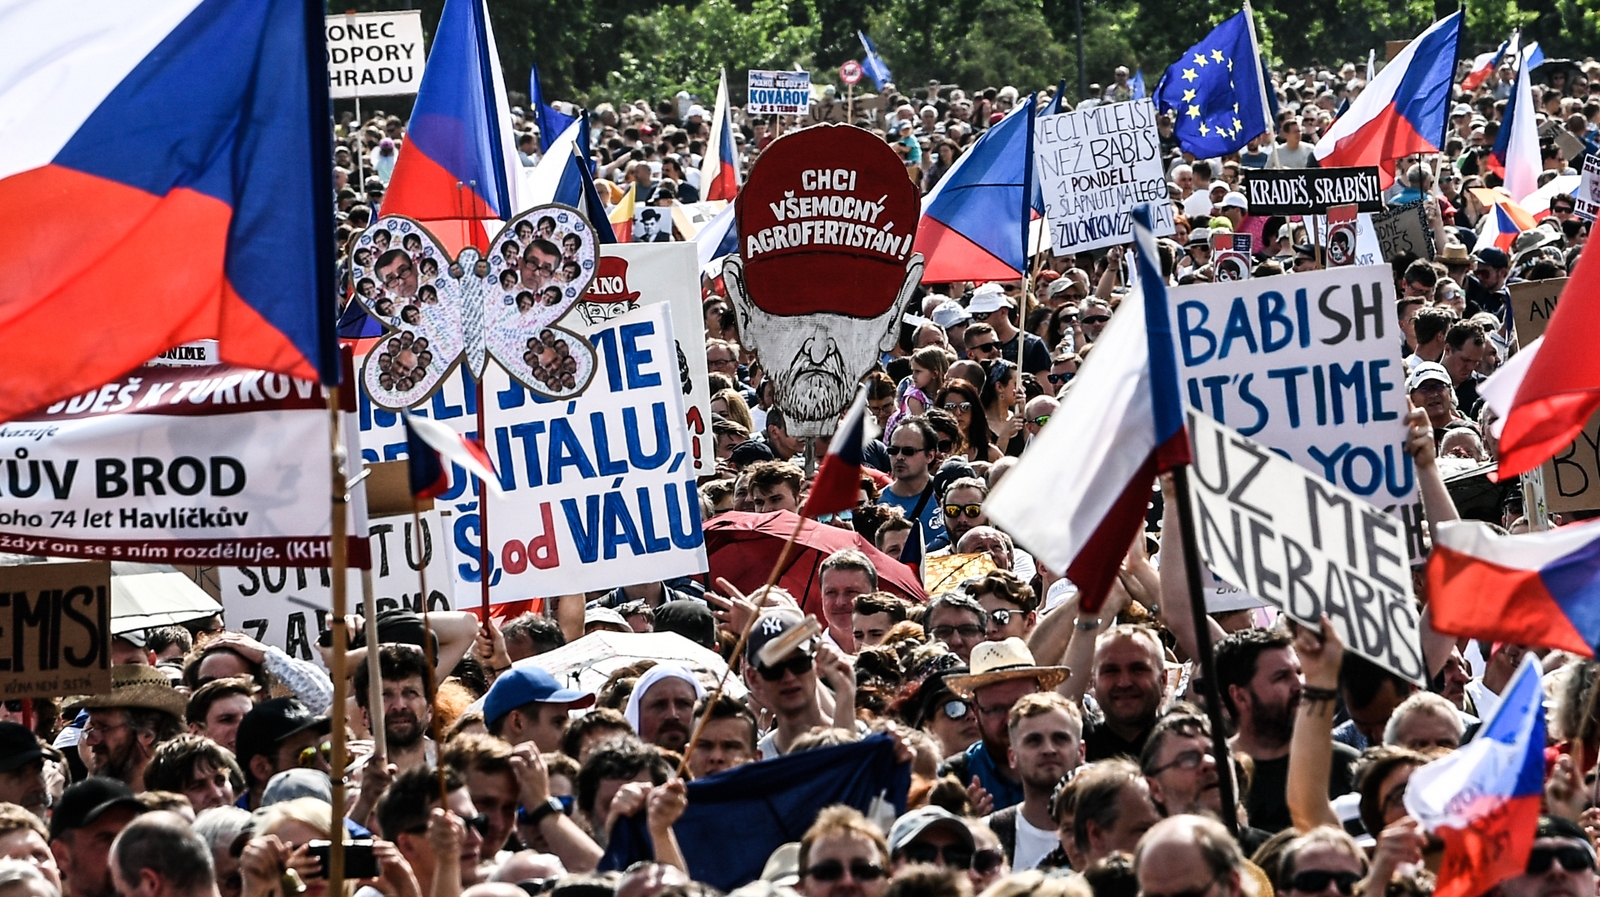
1094, 166
1588, 195
779, 93
1278, 531
374, 54
180, 465
287, 607
1308, 365
1367, 249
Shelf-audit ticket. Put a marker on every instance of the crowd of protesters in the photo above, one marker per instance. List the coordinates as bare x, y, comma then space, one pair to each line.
1053, 750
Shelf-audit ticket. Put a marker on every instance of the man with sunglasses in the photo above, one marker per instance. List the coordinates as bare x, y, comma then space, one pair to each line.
1046, 745
788, 686
910, 449
404, 814
271, 738
981, 342
1063, 367
990, 305
931, 836
1561, 864
963, 507
1093, 317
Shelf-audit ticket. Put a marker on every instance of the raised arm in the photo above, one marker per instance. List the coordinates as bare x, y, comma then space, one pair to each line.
1175, 610
1311, 746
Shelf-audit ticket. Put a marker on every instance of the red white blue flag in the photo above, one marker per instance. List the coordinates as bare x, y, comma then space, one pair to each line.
430, 449
837, 486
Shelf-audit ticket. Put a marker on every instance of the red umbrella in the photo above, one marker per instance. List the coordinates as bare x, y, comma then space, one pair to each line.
744, 546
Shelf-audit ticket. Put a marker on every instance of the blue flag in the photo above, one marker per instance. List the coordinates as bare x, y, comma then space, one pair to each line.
736, 819
1137, 83
551, 122
577, 183
874, 65
1215, 91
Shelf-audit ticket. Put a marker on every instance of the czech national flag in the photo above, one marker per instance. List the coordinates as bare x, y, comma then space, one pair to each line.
1483, 799
719, 170
1561, 389
1507, 219
551, 121
1533, 589
1515, 156
1079, 494
431, 446
838, 483
1487, 64
1404, 110
459, 165
563, 175
164, 178
973, 224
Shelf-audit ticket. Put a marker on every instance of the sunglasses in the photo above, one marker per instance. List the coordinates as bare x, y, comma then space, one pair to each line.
310, 755
1572, 859
946, 445
973, 511
1187, 761
952, 855
953, 407
943, 633
956, 709
1313, 881
1039, 421
1059, 379
991, 346
833, 870
1096, 319
987, 860
892, 450
1003, 617
799, 665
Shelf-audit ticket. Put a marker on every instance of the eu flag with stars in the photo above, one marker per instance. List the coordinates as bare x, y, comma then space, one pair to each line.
1215, 92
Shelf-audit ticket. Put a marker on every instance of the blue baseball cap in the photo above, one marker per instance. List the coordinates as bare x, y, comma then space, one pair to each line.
528, 685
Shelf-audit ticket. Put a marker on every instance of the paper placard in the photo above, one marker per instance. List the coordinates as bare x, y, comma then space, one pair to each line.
1588, 195
1572, 475
1094, 166
1404, 229
778, 93
1312, 191
56, 620
374, 54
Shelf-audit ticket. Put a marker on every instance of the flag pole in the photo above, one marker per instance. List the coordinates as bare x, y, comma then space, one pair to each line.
427, 633
339, 545
1028, 275
380, 747
483, 516
1206, 659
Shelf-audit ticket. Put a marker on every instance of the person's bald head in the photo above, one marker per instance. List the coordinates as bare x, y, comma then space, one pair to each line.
1188, 855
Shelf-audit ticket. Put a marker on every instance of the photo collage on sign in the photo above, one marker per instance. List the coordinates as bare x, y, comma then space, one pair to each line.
538, 267
405, 280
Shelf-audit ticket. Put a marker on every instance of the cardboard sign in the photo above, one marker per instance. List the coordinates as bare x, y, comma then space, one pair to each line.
779, 93
825, 266
1094, 166
1572, 476
1311, 191
1404, 229
1278, 531
1231, 260
1308, 364
1365, 243
1588, 195
179, 465
374, 54
288, 608
944, 573
56, 619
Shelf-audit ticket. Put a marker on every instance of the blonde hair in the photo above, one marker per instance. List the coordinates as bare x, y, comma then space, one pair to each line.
1034, 883
738, 409
305, 810
841, 820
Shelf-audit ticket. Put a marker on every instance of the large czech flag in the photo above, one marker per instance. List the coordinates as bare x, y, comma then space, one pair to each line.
1534, 589
164, 177
459, 165
1404, 110
719, 171
975, 220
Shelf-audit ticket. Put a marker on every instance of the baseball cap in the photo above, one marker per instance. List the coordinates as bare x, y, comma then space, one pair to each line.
18, 747
773, 625
270, 722
1426, 371
949, 313
296, 783
1493, 256
749, 452
908, 827
525, 685
1460, 109
86, 801
606, 616
1235, 201
1059, 286
689, 618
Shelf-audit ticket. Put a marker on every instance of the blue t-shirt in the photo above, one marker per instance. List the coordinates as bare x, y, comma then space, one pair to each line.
933, 534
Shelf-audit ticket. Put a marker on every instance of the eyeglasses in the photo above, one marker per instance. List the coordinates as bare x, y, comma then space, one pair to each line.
1315, 881
1059, 379
987, 860
1188, 761
800, 664
719, 362
953, 407
952, 855
1039, 421
833, 870
1096, 319
399, 274
990, 346
969, 632
1572, 859
956, 709
907, 450
973, 511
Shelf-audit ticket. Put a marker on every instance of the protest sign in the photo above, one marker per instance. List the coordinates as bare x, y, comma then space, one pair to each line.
56, 619
652, 224
1311, 191
1572, 475
1308, 364
1404, 230
1344, 238
1278, 531
1588, 195
779, 93
1094, 166
946, 572
287, 607
690, 217
825, 266
197, 354
850, 72
1232, 258
179, 465
374, 54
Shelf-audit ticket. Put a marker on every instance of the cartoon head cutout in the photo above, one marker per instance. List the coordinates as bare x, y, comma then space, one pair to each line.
825, 266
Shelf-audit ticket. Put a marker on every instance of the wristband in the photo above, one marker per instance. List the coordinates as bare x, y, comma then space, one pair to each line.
533, 817
1315, 695
1083, 625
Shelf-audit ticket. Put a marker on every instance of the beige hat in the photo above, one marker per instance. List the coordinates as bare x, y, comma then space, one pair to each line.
1003, 661
133, 685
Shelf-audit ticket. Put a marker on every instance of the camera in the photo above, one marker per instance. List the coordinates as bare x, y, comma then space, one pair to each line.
359, 861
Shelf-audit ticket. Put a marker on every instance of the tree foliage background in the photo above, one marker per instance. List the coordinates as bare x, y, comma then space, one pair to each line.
591, 51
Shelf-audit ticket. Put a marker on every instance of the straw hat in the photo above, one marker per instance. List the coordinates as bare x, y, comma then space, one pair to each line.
1002, 661
137, 686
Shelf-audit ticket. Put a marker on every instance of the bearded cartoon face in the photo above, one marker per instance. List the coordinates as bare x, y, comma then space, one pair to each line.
825, 267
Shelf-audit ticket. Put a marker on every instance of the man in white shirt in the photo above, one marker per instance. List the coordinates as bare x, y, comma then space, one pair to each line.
1046, 744
1291, 153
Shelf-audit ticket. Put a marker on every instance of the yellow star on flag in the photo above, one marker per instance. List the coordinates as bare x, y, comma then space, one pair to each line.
1203, 129
1237, 124
1194, 111
1188, 96
1230, 65
1200, 59
1236, 108
1217, 55
1189, 75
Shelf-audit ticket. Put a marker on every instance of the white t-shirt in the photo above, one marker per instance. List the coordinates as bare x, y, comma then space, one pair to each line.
1033, 844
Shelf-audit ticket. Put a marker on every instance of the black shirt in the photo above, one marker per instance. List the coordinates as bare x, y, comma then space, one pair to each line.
1036, 357
1268, 802
1100, 743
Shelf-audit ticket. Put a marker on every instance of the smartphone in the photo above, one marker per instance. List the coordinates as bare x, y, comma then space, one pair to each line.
359, 861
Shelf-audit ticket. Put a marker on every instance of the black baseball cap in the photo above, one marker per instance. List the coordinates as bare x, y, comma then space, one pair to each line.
270, 722
689, 618
750, 452
18, 747
83, 803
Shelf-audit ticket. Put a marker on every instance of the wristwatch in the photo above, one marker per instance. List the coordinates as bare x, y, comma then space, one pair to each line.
550, 807
1086, 625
